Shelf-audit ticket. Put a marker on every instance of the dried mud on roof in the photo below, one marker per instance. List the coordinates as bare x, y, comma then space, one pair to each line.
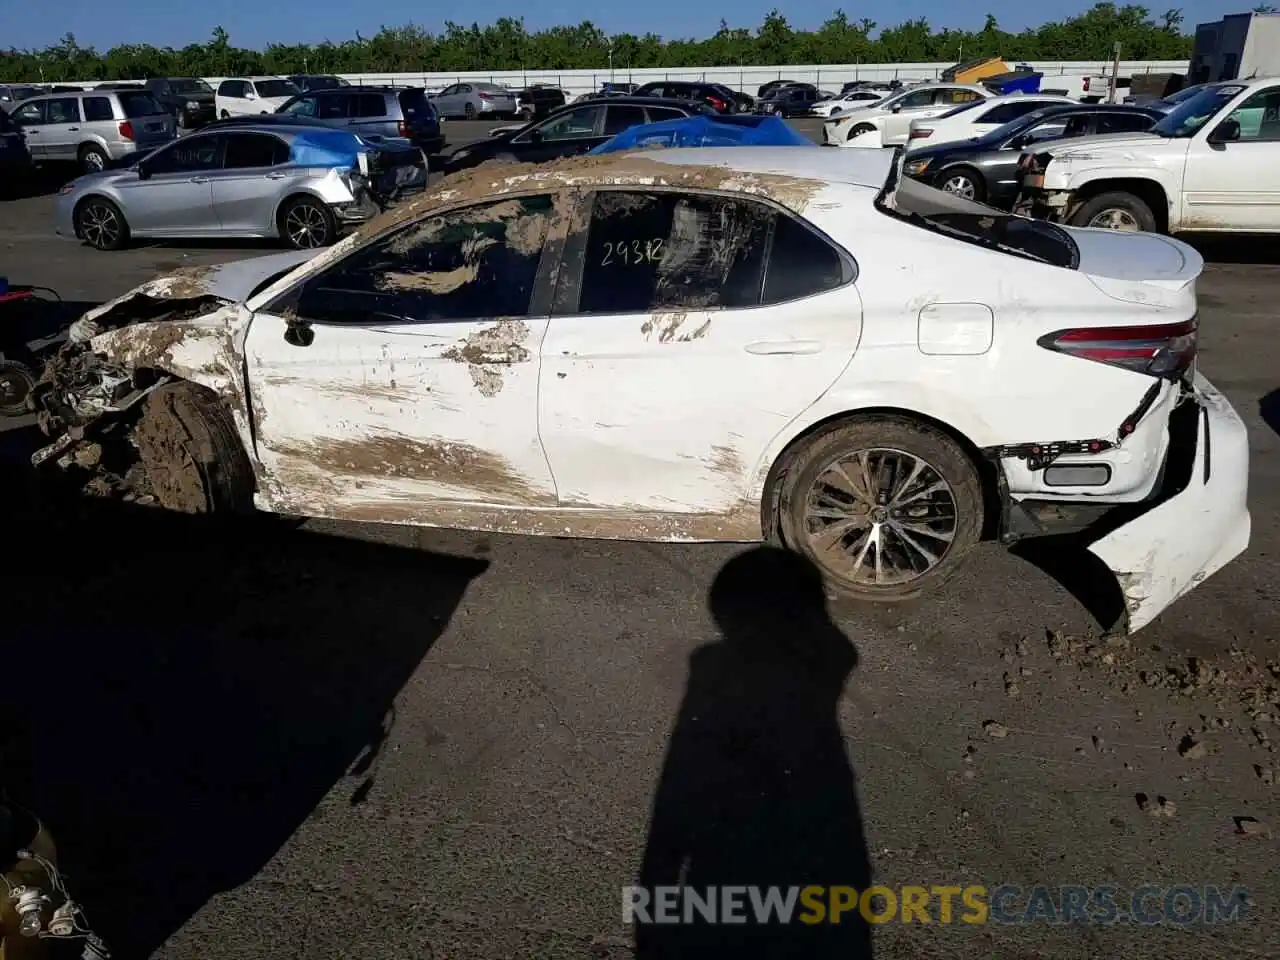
622, 169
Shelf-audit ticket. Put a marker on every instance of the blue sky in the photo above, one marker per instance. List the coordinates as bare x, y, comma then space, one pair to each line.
253, 23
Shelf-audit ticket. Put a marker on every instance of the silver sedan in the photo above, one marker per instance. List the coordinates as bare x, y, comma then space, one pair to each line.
300, 185
472, 100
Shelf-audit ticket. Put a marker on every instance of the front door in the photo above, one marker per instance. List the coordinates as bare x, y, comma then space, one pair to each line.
245, 187
414, 388
1235, 185
30, 116
573, 131
176, 199
675, 355
62, 137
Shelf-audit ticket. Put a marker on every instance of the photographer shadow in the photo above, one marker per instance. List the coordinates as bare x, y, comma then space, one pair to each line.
757, 788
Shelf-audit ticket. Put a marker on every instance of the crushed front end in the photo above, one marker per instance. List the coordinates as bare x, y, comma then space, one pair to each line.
1034, 199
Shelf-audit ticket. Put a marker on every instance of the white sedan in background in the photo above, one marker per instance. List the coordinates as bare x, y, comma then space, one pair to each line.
852, 100
887, 123
867, 371
977, 117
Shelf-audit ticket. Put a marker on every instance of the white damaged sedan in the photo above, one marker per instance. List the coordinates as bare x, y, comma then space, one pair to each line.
789, 344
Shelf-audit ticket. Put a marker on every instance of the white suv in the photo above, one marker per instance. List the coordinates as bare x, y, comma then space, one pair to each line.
1212, 164
247, 96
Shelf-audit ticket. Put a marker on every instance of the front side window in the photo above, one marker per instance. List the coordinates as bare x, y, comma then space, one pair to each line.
229, 88
30, 114
468, 264
571, 125
920, 98
276, 88
300, 107
187, 155
1259, 116
676, 251
332, 106
1008, 111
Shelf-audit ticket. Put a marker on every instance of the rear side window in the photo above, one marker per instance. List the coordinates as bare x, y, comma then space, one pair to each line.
1009, 111
672, 251
956, 111
370, 105
479, 262
253, 150
619, 117
140, 104
663, 113
97, 108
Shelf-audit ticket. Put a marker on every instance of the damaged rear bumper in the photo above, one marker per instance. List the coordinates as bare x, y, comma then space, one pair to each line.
1197, 523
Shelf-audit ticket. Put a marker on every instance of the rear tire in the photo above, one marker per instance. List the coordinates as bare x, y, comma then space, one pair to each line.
93, 159
1116, 210
886, 507
307, 224
469, 111
101, 224
191, 455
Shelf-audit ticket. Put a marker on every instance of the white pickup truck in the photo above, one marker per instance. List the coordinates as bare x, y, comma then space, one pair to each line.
1212, 164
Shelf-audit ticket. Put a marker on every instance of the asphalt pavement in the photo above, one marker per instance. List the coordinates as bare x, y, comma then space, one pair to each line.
362, 741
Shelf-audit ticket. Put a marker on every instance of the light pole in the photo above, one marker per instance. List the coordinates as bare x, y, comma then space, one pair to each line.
611, 60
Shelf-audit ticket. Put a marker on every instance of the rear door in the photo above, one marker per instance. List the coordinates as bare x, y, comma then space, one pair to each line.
675, 355
177, 198
369, 116
248, 182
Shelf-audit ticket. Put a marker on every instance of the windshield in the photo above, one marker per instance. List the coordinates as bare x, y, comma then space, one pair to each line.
23, 93
976, 223
1185, 94
276, 88
1190, 115
190, 86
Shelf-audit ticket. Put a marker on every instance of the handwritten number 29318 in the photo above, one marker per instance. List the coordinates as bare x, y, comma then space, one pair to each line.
631, 252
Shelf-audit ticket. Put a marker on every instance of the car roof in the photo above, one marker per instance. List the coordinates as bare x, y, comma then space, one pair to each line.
640, 101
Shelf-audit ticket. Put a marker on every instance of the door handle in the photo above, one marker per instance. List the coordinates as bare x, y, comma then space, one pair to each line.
199, 180
72, 129
774, 347
275, 176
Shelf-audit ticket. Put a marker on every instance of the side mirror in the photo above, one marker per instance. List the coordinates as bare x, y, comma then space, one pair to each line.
896, 108
535, 136
1018, 142
144, 171
1227, 131
251, 95
299, 333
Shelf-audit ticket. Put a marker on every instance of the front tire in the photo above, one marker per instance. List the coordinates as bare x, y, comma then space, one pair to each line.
93, 159
101, 224
1116, 210
886, 507
17, 380
306, 223
963, 183
192, 458
860, 129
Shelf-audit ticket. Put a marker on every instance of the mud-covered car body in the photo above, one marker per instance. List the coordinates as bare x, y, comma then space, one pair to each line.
476, 359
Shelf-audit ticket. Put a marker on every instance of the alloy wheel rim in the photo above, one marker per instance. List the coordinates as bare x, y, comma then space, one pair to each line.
960, 186
100, 225
93, 161
14, 388
880, 517
1116, 219
306, 226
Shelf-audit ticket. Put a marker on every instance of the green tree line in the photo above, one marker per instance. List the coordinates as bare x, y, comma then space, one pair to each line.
506, 45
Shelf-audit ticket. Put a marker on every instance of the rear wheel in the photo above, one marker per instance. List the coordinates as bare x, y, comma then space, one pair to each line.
192, 458
469, 111
306, 223
1116, 210
92, 158
101, 224
886, 507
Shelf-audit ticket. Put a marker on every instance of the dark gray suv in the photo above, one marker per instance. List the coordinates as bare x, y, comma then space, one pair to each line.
372, 111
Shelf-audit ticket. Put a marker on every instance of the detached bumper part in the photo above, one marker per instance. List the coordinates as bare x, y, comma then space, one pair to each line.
1184, 539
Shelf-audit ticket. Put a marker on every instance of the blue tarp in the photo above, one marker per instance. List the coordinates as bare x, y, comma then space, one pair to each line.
733, 130
326, 148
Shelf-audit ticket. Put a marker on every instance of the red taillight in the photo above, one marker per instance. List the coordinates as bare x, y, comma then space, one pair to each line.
486, 96
920, 134
1159, 350
1086, 84
126, 130
402, 128
717, 102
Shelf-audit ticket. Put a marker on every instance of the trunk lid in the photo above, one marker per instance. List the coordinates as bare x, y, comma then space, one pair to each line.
1146, 268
